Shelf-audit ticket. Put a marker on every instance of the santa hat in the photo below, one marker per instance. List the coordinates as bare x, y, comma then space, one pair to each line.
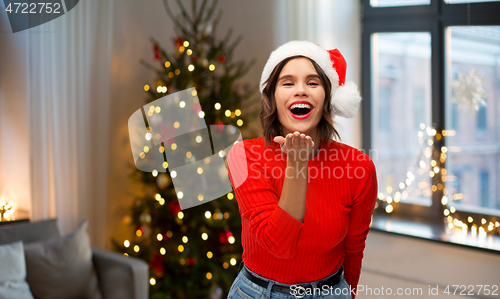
345, 96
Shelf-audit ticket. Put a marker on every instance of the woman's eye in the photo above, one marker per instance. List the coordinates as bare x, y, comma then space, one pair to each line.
313, 83
288, 84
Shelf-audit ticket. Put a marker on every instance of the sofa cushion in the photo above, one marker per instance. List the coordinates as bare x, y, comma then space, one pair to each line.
62, 268
13, 272
29, 232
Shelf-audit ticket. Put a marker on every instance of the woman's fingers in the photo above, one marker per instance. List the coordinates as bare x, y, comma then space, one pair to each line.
303, 140
296, 139
279, 139
294, 143
303, 150
309, 142
288, 141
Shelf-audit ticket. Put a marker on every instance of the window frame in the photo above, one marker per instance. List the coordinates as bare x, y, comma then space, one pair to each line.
433, 18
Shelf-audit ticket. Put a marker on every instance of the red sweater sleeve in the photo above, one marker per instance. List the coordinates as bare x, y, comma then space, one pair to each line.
365, 189
274, 229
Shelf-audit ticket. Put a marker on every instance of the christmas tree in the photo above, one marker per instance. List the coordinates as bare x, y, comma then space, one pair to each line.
193, 253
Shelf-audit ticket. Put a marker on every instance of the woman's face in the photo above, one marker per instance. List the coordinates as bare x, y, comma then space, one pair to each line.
299, 97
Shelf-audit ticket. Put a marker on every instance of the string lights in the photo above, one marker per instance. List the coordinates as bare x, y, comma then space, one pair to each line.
150, 241
227, 238
204, 64
478, 227
223, 238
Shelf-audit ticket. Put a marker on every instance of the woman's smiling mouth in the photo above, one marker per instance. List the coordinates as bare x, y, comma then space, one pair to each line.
300, 109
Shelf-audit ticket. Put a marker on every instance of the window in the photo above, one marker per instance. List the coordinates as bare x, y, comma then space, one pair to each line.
381, 3
431, 84
455, 183
481, 119
472, 58
468, 1
454, 116
384, 109
484, 189
419, 107
401, 64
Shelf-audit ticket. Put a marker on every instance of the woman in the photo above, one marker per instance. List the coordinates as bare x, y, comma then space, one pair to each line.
305, 199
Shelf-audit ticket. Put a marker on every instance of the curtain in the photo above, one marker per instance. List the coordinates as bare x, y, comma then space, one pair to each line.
69, 73
331, 24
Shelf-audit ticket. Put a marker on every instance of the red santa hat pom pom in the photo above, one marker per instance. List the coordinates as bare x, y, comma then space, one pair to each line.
346, 97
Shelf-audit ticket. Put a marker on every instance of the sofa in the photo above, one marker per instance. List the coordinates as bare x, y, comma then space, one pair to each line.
115, 276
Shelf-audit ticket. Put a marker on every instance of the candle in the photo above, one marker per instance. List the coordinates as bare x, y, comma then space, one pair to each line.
6, 209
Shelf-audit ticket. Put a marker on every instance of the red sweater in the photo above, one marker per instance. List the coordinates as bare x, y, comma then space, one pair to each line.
341, 194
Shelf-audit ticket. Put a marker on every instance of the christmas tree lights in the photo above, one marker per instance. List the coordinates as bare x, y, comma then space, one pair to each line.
192, 253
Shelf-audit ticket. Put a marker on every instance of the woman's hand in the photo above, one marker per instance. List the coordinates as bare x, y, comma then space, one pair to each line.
297, 146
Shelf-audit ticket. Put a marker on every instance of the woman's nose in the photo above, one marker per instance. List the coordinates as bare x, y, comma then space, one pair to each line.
301, 89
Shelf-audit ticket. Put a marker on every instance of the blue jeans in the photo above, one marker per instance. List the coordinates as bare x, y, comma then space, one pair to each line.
244, 288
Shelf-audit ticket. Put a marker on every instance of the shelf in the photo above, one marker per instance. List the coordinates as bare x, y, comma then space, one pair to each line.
438, 232
19, 216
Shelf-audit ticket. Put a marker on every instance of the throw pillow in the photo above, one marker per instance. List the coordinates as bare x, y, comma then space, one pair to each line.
13, 272
62, 268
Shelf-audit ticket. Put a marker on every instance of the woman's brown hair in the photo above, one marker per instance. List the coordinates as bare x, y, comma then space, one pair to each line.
269, 113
